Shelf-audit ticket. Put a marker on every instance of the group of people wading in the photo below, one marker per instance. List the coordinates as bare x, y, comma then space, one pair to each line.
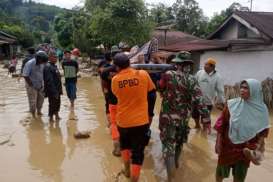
130, 96
43, 79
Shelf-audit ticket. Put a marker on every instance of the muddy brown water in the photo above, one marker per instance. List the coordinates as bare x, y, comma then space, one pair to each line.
39, 151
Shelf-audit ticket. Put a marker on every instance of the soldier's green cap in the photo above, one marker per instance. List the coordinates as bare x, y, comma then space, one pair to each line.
115, 49
182, 57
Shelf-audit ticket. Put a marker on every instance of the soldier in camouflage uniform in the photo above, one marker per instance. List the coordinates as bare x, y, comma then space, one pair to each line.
179, 91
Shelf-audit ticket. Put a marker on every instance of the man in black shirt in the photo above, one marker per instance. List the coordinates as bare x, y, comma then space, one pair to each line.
53, 86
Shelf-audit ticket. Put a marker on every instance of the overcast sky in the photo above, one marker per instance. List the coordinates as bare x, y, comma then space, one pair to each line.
208, 6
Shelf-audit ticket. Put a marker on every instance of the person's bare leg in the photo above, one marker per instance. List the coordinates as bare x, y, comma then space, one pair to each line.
33, 114
236, 180
197, 123
72, 104
57, 117
51, 119
219, 179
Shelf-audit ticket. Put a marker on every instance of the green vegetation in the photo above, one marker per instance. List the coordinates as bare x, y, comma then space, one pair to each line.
103, 22
30, 22
187, 16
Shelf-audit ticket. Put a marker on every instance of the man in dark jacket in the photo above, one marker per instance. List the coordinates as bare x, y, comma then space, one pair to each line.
53, 86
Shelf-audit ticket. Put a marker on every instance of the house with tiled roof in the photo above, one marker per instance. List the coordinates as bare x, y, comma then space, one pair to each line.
6, 45
249, 53
242, 46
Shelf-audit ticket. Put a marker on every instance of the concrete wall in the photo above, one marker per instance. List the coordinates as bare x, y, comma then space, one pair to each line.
236, 66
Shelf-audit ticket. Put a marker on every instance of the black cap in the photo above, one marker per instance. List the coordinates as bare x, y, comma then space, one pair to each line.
107, 56
31, 50
101, 63
67, 51
41, 55
121, 60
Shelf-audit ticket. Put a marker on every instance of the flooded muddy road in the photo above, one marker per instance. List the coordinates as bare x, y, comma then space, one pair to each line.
39, 151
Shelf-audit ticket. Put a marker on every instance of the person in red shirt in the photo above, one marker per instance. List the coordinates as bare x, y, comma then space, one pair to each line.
241, 130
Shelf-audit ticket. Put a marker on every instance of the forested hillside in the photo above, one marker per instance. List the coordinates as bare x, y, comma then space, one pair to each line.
29, 21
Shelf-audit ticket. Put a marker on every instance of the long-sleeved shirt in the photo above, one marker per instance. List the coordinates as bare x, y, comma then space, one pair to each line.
179, 91
231, 153
52, 81
212, 86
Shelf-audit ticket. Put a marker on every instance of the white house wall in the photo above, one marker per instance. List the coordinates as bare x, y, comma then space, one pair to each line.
236, 66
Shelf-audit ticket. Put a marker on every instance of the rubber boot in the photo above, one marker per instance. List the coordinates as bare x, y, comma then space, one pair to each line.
126, 162
126, 170
177, 156
170, 166
135, 172
116, 151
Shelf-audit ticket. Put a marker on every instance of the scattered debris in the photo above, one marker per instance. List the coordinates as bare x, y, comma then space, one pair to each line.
26, 121
5, 138
15, 75
2, 105
82, 134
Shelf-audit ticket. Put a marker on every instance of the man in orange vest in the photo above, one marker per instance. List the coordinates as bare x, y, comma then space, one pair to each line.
131, 88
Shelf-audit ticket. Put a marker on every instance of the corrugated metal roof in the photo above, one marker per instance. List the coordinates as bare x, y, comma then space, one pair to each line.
4, 37
196, 45
172, 37
263, 21
204, 45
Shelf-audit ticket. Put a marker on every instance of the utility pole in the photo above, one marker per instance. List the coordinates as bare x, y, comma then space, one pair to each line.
251, 3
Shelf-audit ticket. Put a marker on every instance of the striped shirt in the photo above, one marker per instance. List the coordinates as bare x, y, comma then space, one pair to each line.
70, 70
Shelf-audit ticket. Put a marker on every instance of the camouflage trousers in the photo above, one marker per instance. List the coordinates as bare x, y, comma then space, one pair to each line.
173, 133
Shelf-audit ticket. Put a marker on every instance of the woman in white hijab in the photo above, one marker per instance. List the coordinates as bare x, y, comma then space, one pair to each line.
241, 130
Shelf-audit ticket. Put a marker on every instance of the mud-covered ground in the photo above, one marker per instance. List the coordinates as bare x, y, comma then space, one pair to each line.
40, 151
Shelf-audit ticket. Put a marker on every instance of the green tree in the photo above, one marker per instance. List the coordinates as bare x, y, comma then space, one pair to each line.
10, 5
23, 36
92, 5
219, 18
64, 27
82, 38
27, 20
162, 14
121, 20
40, 23
189, 17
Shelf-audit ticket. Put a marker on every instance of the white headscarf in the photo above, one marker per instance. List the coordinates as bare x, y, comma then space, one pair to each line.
248, 117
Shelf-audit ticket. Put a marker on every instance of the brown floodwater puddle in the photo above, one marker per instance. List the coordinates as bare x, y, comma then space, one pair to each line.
39, 151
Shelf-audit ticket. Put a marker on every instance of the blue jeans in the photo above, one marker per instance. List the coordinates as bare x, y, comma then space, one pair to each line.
71, 90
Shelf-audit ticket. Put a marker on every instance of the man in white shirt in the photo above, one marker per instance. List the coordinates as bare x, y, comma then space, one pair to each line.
33, 74
212, 88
